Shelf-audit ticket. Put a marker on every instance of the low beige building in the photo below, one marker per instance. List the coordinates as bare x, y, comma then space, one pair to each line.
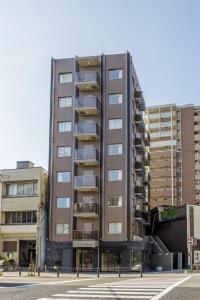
23, 213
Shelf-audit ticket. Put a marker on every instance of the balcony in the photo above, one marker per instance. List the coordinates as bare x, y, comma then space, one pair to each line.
139, 100
91, 61
19, 229
147, 179
138, 161
197, 137
147, 159
146, 139
87, 81
86, 183
86, 210
86, 131
197, 118
138, 117
83, 238
87, 105
86, 157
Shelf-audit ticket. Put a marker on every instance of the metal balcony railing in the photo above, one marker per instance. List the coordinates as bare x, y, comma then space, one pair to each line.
86, 128
86, 154
84, 102
86, 208
89, 76
82, 235
85, 181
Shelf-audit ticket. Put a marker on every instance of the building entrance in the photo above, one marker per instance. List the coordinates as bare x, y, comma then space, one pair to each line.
84, 259
27, 253
110, 261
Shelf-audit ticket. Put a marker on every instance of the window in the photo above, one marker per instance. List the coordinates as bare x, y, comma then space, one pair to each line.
64, 126
21, 217
62, 202
62, 228
115, 228
115, 201
115, 175
63, 176
64, 151
115, 149
64, 102
22, 189
65, 77
115, 74
115, 124
115, 98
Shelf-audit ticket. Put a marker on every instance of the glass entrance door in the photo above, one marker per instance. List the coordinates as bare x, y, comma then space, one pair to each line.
110, 261
84, 259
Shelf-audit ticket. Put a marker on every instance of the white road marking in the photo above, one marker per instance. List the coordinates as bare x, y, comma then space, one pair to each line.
100, 296
170, 288
120, 289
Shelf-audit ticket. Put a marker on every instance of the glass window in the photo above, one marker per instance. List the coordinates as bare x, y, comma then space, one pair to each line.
115, 149
11, 189
64, 151
114, 175
115, 201
115, 124
115, 98
163, 143
62, 228
64, 102
63, 202
63, 176
35, 188
115, 74
115, 228
165, 114
154, 116
64, 126
65, 77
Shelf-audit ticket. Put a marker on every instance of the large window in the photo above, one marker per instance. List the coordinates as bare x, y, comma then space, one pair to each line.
115, 124
64, 102
21, 217
63, 176
115, 98
115, 201
65, 77
115, 74
62, 228
62, 202
114, 175
22, 189
115, 149
64, 151
114, 228
64, 126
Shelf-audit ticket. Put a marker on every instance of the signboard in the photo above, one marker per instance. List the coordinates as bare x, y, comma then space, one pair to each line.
168, 213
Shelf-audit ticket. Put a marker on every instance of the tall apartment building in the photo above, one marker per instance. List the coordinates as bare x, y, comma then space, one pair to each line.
97, 163
174, 154
23, 217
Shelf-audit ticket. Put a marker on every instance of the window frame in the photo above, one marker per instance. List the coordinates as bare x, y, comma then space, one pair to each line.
115, 94
117, 223
119, 172
65, 74
115, 120
65, 98
64, 147
64, 122
111, 73
110, 145
68, 201
63, 181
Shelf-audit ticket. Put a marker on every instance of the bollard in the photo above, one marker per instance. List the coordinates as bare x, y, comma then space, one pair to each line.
97, 272
77, 272
119, 275
20, 271
58, 271
38, 271
141, 271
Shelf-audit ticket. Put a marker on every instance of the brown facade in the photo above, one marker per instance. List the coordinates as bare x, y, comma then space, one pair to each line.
89, 218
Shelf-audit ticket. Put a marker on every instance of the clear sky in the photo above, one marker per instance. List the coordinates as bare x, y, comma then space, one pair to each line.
162, 35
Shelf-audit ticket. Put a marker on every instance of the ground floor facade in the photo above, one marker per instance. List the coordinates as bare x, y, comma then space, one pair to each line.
108, 257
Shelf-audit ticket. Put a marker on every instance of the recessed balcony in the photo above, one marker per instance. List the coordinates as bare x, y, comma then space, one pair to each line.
87, 105
139, 100
86, 183
88, 81
86, 210
86, 131
91, 61
86, 157
82, 238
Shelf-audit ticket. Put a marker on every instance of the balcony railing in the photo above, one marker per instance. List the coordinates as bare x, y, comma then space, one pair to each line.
89, 156
86, 131
146, 159
146, 139
86, 209
86, 183
87, 105
82, 235
87, 80
140, 104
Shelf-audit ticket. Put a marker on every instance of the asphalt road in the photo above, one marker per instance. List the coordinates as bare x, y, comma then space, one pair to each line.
73, 288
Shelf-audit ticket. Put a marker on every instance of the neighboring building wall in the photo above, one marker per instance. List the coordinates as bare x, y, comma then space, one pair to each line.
23, 213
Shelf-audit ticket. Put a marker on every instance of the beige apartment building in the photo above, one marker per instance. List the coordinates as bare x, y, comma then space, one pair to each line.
23, 213
174, 154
